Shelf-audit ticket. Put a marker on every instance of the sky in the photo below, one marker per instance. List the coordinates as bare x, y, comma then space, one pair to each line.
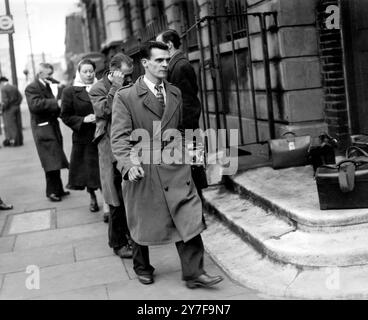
47, 25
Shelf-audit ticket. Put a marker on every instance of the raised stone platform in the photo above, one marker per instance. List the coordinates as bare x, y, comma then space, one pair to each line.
278, 229
293, 193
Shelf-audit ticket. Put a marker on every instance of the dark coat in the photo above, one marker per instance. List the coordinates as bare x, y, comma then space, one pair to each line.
11, 100
102, 94
182, 75
46, 132
164, 206
84, 168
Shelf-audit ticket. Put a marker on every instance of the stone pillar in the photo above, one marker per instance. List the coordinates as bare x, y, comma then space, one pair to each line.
333, 78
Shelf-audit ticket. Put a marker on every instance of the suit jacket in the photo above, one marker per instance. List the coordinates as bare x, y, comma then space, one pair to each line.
46, 132
102, 95
182, 75
164, 206
10, 96
75, 105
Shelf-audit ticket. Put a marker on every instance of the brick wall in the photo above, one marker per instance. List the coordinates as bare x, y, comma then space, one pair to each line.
331, 55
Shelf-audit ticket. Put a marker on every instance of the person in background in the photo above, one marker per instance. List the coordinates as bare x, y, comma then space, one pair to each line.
11, 99
77, 113
102, 95
161, 200
45, 111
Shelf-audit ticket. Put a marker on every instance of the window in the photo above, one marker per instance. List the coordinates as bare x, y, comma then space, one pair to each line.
230, 7
189, 19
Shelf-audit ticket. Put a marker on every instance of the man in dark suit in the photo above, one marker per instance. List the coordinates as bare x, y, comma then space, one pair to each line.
182, 75
161, 202
11, 99
45, 111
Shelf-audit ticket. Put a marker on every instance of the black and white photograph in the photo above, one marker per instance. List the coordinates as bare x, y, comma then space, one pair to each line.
192, 153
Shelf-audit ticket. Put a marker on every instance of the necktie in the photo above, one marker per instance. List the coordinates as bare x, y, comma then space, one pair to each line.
160, 95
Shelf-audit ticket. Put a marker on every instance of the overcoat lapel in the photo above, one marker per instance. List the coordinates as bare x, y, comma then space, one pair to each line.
172, 103
149, 100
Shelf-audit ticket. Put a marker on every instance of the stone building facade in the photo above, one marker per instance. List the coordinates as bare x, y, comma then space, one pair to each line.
299, 80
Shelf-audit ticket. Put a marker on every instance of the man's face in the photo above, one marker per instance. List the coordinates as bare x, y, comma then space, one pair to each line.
157, 65
127, 72
45, 73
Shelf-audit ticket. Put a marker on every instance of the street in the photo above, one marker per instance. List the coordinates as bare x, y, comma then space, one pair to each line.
59, 250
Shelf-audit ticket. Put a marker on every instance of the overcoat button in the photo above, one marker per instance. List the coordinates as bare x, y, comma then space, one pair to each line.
166, 188
188, 183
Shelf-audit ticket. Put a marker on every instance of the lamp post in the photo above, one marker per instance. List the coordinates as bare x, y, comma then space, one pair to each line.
11, 49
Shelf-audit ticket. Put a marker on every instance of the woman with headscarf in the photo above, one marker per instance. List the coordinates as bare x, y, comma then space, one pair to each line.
77, 113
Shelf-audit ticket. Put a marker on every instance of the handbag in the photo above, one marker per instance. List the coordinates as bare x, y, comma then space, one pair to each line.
344, 185
290, 152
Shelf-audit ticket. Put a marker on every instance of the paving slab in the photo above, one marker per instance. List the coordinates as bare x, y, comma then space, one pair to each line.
293, 192
77, 216
29, 222
67, 277
169, 286
2, 224
90, 293
41, 257
57, 236
96, 247
7, 244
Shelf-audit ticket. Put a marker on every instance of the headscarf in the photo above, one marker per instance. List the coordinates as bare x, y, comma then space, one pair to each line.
79, 83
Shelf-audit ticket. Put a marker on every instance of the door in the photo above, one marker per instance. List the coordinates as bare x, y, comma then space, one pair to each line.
355, 31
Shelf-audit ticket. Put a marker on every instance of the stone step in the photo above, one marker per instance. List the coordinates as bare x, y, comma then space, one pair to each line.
248, 267
282, 241
292, 193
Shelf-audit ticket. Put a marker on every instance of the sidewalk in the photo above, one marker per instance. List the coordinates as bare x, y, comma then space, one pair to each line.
69, 244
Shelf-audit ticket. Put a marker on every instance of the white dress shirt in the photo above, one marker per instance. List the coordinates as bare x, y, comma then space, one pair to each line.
152, 85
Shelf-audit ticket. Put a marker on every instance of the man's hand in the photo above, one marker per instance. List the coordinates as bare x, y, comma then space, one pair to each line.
135, 173
118, 78
90, 118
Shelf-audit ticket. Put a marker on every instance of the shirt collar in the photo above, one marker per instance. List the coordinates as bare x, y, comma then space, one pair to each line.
152, 85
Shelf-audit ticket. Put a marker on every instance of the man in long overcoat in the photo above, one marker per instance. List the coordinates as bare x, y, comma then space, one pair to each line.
11, 99
182, 75
161, 201
102, 94
46, 132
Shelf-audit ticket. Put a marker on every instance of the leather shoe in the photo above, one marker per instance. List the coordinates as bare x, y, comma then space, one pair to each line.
54, 198
4, 206
145, 278
106, 217
65, 193
204, 280
124, 252
93, 207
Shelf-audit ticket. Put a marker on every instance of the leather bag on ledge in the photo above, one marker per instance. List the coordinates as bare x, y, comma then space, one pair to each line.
291, 151
344, 185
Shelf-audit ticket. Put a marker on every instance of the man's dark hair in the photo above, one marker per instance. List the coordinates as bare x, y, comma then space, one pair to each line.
45, 65
86, 61
119, 59
145, 50
173, 36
